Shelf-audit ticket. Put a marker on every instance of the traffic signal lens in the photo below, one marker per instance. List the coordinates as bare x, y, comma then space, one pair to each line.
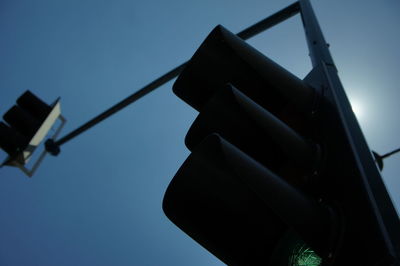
304, 256
293, 251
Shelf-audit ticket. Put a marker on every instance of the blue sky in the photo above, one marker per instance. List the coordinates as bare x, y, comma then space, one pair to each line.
99, 201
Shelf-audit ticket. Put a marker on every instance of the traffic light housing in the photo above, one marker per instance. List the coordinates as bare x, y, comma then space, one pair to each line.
225, 58
26, 124
272, 166
238, 209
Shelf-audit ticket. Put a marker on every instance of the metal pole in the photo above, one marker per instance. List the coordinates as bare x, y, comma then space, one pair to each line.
317, 45
390, 153
245, 34
122, 104
383, 209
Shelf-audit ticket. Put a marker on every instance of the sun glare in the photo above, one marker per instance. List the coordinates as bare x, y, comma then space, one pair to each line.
357, 109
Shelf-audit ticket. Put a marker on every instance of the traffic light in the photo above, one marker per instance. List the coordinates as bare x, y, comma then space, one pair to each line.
271, 178
27, 123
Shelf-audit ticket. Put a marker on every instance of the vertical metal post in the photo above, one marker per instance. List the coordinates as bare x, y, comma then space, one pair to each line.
378, 196
317, 45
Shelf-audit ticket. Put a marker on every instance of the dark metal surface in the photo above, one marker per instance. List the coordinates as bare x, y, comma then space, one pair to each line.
237, 208
317, 45
266, 138
243, 66
383, 216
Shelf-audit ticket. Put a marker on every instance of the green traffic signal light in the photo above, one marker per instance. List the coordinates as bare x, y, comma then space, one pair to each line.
293, 251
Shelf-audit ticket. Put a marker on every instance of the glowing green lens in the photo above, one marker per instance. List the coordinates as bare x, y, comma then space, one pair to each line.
304, 256
293, 251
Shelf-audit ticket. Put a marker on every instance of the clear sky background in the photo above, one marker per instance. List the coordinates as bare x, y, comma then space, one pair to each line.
99, 201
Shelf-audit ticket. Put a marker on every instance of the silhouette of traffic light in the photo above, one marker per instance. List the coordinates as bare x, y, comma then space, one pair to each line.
26, 124
273, 178
244, 189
